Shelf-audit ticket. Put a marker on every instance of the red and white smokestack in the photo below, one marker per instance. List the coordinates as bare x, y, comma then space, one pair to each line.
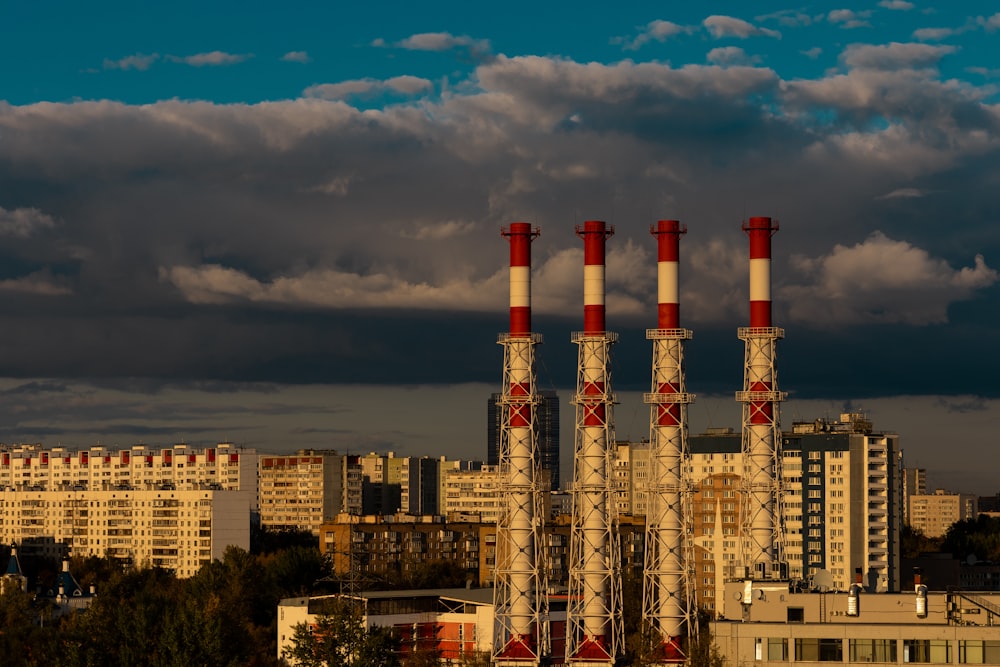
593, 233
760, 231
521, 610
593, 614
668, 233
761, 460
520, 235
666, 592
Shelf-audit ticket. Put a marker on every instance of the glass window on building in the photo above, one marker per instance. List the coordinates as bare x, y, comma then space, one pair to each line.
815, 649
979, 651
872, 650
926, 650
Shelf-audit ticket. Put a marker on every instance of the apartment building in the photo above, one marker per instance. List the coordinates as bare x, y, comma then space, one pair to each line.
176, 507
933, 514
301, 491
176, 529
374, 548
223, 467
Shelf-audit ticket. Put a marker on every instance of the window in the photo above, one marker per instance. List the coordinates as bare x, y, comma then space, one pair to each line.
796, 615
926, 650
813, 649
872, 650
979, 651
777, 648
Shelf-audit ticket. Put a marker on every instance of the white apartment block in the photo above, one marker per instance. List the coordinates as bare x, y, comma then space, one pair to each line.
301, 491
473, 492
933, 514
175, 529
176, 507
222, 467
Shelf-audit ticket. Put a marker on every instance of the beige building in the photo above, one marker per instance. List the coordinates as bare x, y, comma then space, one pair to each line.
224, 466
933, 514
301, 491
176, 529
771, 625
841, 487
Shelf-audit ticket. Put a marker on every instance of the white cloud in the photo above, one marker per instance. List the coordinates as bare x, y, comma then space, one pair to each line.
933, 34
991, 23
849, 19
296, 57
903, 193
813, 53
894, 55
658, 30
726, 56
901, 5
438, 230
405, 85
23, 222
881, 280
409, 85
444, 41
40, 283
137, 61
211, 59
791, 18
728, 26
342, 90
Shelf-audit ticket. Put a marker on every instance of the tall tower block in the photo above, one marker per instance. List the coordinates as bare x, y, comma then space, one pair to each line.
666, 591
594, 631
762, 536
521, 628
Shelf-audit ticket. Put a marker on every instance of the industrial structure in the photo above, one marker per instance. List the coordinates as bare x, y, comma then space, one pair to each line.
761, 540
521, 628
666, 593
594, 631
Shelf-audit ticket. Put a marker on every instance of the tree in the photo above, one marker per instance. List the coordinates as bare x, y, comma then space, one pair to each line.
340, 639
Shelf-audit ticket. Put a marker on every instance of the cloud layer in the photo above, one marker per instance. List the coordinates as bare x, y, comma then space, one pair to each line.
287, 238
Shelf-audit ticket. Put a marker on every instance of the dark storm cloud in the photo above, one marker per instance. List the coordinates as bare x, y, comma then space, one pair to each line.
310, 240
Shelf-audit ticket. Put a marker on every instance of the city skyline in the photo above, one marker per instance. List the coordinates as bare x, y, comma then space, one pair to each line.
280, 226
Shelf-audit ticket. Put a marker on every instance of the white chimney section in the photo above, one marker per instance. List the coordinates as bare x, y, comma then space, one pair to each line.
521, 627
594, 630
667, 596
761, 448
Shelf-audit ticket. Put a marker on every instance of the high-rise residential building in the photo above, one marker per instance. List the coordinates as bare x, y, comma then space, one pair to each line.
841, 503
914, 484
934, 513
301, 491
548, 433
175, 507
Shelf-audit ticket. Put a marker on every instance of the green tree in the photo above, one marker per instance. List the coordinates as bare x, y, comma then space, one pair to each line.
340, 639
974, 536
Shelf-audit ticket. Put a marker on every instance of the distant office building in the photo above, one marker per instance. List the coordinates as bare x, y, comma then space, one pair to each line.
933, 514
548, 433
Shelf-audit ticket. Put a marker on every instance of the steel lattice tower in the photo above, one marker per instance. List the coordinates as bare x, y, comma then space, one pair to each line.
667, 600
594, 631
521, 628
761, 484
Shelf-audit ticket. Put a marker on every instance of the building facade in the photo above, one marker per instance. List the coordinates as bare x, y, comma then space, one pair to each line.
933, 513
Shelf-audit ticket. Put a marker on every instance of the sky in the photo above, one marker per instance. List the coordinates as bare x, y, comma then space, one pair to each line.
278, 224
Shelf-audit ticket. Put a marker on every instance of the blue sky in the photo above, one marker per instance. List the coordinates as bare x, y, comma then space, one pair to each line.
247, 199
